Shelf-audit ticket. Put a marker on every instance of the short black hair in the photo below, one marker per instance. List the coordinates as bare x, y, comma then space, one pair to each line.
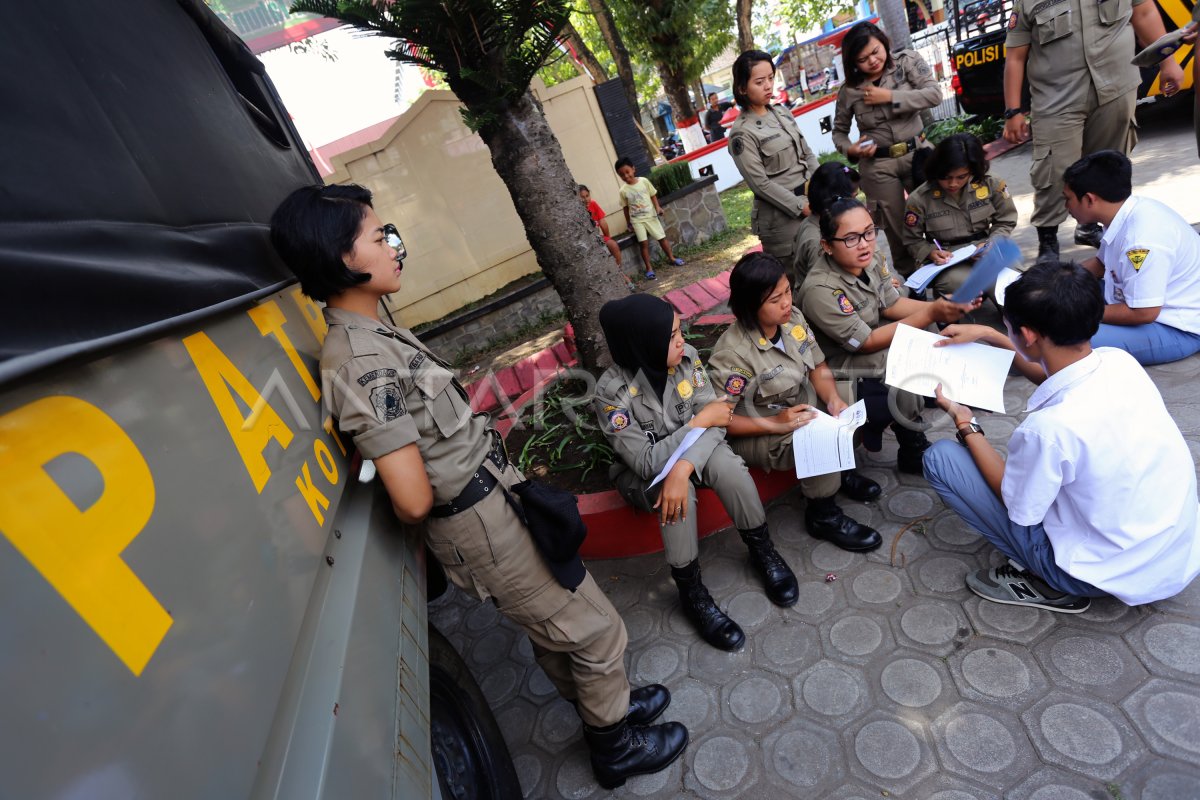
831, 180
753, 279
833, 214
624, 161
743, 65
582, 188
955, 152
1107, 174
313, 228
857, 38
1059, 299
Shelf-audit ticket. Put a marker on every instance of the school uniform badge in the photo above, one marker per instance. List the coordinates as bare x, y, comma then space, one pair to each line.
844, 303
798, 333
618, 419
684, 388
911, 218
1137, 257
735, 384
981, 193
388, 402
699, 377
1012, 19
736, 145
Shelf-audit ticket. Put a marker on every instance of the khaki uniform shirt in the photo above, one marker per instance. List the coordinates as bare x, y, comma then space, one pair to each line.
643, 429
1074, 45
914, 88
808, 251
388, 390
844, 310
774, 160
755, 373
982, 210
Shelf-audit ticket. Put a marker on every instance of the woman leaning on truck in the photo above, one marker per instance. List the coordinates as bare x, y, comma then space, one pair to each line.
884, 94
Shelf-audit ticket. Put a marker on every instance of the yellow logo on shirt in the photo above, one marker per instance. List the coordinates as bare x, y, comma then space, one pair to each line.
798, 333
1137, 257
981, 193
684, 388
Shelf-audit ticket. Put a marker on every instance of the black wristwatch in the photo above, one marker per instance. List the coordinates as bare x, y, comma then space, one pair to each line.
966, 430
1009, 113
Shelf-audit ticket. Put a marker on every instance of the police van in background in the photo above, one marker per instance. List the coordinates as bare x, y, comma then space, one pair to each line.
977, 53
201, 599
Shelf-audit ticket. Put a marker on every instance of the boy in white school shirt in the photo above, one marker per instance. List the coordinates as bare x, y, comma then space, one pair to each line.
1098, 495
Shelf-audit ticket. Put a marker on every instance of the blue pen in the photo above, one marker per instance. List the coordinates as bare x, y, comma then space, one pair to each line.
937, 244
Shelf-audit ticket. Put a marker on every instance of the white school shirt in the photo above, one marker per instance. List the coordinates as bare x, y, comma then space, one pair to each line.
1101, 464
1151, 258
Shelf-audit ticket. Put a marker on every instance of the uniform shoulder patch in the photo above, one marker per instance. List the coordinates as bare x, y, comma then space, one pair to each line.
618, 419
1137, 257
735, 384
912, 218
844, 303
736, 145
1002, 189
388, 402
699, 376
1012, 19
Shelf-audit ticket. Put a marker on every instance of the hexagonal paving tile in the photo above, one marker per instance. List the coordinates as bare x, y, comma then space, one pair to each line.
817, 597
659, 663
983, 744
755, 702
950, 787
948, 531
803, 759
1163, 779
932, 625
556, 726
998, 673
708, 664
787, 647
889, 751
1167, 713
694, 704
944, 575
1186, 603
722, 764
1095, 664
1018, 624
835, 692
878, 587
751, 609
856, 636
1049, 783
906, 680
1170, 645
571, 775
1082, 734
1106, 615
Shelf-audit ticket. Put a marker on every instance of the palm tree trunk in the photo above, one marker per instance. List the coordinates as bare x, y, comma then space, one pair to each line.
616, 46
745, 34
895, 21
527, 157
585, 55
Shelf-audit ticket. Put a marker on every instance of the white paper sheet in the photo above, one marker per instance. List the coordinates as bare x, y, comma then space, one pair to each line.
924, 275
826, 444
1003, 280
688, 441
972, 374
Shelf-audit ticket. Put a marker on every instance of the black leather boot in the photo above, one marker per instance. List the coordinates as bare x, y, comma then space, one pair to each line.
623, 750
646, 703
778, 579
1047, 243
714, 625
1090, 234
859, 487
913, 444
824, 519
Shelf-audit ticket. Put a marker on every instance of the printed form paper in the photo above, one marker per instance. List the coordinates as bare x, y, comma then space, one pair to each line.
826, 444
921, 279
972, 374
688, 441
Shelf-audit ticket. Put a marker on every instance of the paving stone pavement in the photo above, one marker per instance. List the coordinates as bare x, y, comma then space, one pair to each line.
893, 680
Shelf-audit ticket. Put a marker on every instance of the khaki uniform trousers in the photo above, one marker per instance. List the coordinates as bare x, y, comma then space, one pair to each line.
777, 231
774, 452
884, 181
578, 638
726, 474
1063, 138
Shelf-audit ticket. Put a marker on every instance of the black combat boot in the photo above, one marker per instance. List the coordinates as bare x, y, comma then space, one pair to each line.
1047, 243
698, 606
824, 519
859, 487
913, 444
777, 577
646, 703
623, 750
1090, 234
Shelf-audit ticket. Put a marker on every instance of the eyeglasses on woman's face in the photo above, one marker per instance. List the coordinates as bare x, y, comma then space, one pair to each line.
855, 239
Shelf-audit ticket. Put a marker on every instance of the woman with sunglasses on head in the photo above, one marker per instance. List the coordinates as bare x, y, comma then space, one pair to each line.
884, 94
445, 470
855, 308
770, 365
771, 154
959, 204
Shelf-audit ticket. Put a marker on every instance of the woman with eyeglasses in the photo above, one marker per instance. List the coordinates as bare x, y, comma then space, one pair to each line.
884, 95
850, 300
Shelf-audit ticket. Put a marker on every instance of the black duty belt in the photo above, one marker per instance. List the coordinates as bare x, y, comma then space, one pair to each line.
962, 240
480, 485
899, 148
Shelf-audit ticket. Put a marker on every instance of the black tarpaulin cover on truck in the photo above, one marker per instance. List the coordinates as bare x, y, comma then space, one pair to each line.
142, 151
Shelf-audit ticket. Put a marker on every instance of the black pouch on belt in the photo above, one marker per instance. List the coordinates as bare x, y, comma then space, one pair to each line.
552, 516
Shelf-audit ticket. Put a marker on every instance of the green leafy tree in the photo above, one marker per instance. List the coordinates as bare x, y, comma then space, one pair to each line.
805, 15
681, 37
489, 51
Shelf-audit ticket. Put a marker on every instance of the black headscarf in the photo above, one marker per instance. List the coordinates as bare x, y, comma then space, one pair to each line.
638, 331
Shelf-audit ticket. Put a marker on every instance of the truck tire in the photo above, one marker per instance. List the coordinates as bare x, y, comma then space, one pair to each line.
469, 755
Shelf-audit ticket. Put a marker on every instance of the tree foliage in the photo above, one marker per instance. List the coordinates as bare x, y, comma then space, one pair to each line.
489, 50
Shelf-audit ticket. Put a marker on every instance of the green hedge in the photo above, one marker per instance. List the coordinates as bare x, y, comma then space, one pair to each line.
671, 177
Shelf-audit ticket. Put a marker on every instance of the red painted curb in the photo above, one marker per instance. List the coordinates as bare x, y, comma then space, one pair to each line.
714, 319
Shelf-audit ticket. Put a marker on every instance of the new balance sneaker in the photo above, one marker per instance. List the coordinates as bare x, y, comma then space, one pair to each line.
1017, 587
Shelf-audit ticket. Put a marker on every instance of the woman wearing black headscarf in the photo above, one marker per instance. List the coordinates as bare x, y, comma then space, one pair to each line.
655, 394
